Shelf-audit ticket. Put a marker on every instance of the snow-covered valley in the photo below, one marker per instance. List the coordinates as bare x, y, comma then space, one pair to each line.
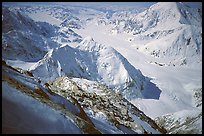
126, 71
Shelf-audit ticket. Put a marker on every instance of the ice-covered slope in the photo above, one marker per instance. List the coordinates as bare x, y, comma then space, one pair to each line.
96, 62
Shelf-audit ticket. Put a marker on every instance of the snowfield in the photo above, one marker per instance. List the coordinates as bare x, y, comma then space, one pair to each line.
151, 58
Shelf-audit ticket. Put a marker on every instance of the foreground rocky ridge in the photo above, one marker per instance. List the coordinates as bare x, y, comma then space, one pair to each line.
113, 106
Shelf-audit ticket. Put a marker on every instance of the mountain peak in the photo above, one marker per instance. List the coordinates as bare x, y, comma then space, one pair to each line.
175, 12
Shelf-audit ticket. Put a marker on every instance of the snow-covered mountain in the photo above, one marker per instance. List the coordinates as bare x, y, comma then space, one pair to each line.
96, 62
19, 31
170, 30
101, 69
179, 40
182, 122
166, 29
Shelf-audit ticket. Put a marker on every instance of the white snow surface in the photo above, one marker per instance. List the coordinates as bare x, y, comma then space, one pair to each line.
44, 17
164, 26
24, 114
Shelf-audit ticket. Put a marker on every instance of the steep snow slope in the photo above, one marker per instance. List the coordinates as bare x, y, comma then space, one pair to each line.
30, 93
96, 62
57, 63
18, 31
21, 115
